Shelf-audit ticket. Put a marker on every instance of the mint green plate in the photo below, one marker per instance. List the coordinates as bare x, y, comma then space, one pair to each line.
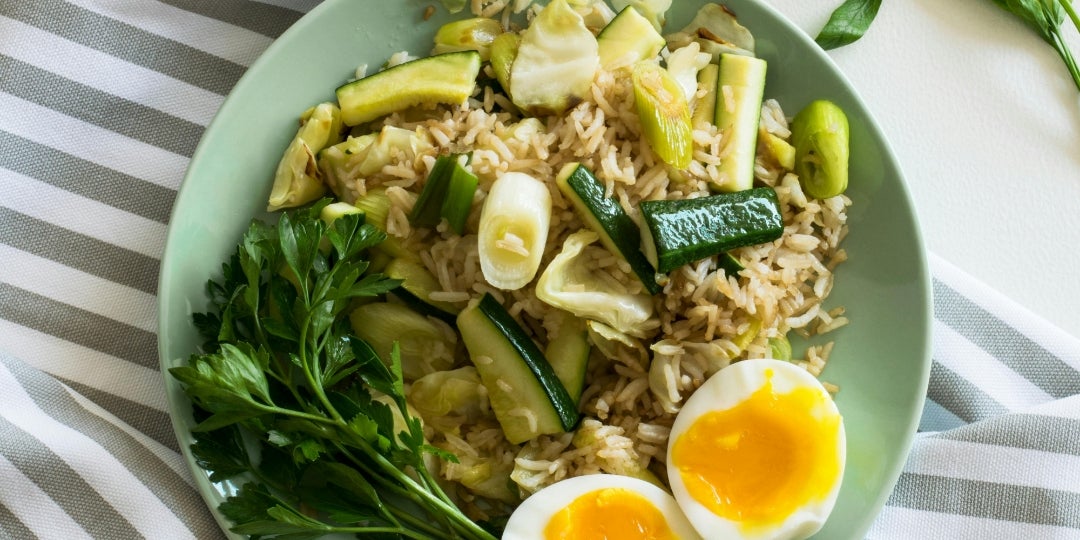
881, 360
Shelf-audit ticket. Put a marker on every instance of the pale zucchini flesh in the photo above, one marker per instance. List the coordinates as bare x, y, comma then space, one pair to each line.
525, 394
739, 93
628, 38
444, 78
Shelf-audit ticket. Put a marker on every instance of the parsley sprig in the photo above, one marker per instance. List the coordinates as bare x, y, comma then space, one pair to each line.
290, 403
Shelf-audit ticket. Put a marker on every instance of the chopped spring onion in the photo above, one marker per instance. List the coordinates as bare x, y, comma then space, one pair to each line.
664, 113
459, 197
448, 194
780, 348
427, 210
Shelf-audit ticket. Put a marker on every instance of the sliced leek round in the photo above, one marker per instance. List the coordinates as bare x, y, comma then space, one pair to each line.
664, 114
513, 230
475, 34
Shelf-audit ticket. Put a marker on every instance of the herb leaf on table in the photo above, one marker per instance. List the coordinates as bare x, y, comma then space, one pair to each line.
305, 416
848, 23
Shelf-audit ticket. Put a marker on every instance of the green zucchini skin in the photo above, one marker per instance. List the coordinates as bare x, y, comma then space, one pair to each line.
497, 330
618, 232
683, 231
568, 354
745, 77
442, 78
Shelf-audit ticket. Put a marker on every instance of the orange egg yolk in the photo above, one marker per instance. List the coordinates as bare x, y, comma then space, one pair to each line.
759, 461
609, 514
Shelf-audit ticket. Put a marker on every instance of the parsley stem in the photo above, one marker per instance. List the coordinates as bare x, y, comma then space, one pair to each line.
447, 509
1063, 51
1067, 5
416, 522
400, 491
301, 414
377, 530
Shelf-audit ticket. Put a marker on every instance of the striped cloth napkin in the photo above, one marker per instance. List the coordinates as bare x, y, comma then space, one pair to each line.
101, 105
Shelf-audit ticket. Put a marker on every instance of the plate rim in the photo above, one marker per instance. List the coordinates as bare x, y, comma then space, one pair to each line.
210, 490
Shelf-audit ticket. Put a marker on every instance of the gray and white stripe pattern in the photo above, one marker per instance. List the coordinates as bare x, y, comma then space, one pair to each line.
998, 455
101, 105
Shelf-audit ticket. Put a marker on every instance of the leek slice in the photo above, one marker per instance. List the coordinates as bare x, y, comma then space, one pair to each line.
513, 230
504, 51
664, 114
475, 34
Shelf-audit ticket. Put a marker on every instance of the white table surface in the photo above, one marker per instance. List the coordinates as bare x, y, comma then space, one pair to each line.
986, 124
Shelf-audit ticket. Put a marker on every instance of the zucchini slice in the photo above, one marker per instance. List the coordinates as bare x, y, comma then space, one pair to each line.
416, 287
526, 395
443, 78
705, 108
568, 353
627, 39
739, 92
618, 232
678, 232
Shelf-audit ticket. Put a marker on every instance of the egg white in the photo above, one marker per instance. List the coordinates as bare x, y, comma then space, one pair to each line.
529, 520
724, 390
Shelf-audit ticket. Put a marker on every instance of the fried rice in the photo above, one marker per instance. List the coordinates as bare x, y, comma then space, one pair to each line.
705, 318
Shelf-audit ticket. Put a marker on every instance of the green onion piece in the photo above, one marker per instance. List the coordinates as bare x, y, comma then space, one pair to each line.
426, 212
503, 53
459, 197
376, 206
475, 34
664, 114
780, 348
729, 263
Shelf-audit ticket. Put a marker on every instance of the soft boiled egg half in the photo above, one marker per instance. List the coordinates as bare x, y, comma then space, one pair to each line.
757, 452
599, 507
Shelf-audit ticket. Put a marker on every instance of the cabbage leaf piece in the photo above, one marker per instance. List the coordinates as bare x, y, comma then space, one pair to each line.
717, 31
363, 156
556, 61
448, 399
595, 13
684, 64
298, 180
654, 10
569, 283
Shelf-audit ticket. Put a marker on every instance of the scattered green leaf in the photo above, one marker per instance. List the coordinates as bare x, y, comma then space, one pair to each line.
848, 23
